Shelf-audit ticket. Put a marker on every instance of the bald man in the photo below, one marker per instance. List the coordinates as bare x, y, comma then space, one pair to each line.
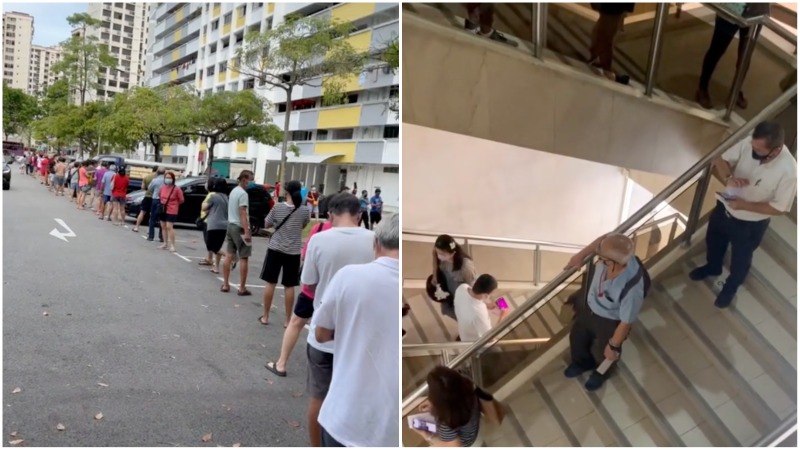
605, 313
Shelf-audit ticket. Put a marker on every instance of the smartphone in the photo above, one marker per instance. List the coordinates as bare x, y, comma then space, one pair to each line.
501, 303
424, 425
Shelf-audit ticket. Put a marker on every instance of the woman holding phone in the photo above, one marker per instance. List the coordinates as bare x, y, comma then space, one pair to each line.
452, 267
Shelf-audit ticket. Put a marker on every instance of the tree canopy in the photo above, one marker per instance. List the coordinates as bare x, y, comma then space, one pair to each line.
19, 110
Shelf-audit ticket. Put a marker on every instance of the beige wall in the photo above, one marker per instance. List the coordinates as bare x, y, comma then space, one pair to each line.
469, 86
17, 49
463, 185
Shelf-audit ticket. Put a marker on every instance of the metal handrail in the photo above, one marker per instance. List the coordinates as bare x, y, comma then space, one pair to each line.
542, 296
780, 30
444, 346
501, 240
777, 436
733, 18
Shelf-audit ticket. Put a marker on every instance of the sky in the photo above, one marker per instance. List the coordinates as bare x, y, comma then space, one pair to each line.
50, 25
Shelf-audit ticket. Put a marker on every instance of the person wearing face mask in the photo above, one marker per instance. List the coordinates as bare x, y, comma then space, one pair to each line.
472, 305
761, 178
607, 309
452, 267
171, 199
364, 209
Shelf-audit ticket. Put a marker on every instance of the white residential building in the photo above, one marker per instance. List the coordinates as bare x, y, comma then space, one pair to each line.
17, 42
41, 74
356, 142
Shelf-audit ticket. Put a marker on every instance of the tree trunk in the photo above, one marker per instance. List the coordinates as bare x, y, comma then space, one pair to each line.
286, 136
210, 155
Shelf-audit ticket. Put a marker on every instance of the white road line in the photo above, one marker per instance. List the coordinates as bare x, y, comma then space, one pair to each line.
183, 257
250, 285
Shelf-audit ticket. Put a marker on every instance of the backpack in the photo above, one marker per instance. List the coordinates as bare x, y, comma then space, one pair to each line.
642, 274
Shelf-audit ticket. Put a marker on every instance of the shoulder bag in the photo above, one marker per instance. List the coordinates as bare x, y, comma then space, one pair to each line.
284, 220
162, 207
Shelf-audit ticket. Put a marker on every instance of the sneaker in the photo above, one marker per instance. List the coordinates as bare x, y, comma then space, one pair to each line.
594, 382
574, 370
471, 26
723, 300
703, 98
498, 37
702, 273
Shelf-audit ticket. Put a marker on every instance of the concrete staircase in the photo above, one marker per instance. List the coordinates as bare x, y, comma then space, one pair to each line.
691, 374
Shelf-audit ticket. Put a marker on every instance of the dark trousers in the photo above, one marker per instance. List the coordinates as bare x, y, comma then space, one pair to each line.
589, 335
603, 34
744, 238
483, 13
724, 32
365, 219
329, 441
154, 222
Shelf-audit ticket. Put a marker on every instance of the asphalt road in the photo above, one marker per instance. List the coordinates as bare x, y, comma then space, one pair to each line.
180, 359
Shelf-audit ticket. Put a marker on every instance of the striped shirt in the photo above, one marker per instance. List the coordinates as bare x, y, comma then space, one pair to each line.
289, 238
467, 433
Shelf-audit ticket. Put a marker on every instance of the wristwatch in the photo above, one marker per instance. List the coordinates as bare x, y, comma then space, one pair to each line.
614, 347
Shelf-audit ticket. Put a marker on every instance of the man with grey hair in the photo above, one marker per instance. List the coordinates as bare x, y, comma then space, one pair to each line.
154, 189
360, 307
605, 313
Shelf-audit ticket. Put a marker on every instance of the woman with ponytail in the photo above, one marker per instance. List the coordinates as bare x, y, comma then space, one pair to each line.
283, 252
452, 267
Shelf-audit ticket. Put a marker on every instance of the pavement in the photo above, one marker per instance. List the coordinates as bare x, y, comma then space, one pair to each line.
138, 334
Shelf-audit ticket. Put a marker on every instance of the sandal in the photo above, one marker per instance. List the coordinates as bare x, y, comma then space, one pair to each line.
225, 288
243, 293
215, 270
262, 323
135, 229
272, 367
204, 262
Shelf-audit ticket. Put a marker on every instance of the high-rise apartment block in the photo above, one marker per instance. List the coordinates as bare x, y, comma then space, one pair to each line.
195, 44
17, 42
123, 30
41, 73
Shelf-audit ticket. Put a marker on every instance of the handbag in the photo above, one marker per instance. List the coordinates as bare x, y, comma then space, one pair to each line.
162, 207
493, 411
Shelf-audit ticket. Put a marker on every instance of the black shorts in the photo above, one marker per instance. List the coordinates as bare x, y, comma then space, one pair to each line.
320, 372
304, 307
171, 218
147, 204
215, 239
374, 217
274, 262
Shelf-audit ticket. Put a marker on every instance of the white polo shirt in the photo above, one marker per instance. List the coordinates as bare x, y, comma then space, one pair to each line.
472, 315
774, 181
362, 408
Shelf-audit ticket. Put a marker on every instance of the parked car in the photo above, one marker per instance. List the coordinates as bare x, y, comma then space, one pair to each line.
6, 176
194, 192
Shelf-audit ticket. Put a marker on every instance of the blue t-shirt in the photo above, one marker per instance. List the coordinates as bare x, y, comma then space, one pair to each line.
304, 194
107, 182
609, 305
155, 186
364, 203
377, 204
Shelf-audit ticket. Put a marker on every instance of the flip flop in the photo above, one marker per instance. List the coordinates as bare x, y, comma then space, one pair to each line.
225, 288
262, 323
203, 263
274, 369
244, 293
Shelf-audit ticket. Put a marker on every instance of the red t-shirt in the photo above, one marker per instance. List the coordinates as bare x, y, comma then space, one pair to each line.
120, 186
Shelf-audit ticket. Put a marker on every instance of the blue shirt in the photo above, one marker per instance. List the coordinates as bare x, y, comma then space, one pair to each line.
364, 203
377, 204
304, 194
155, 186
107, 182
609, 305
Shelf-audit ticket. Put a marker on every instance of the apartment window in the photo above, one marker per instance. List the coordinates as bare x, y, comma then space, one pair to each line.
212, 48
391, 132
391, 170
239, 38
115, 38
210, 71
117, 27
394, 92
301, 135
118, 16
208, 92
228, 18
249, 84
322, 135
223, 66
112, 83
221, 88
346, 133
233, 87
215, 25
226, 43
243, 10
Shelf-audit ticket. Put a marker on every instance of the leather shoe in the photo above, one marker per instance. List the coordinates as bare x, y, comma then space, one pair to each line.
701, 273
594, 382
723, 300
574, 370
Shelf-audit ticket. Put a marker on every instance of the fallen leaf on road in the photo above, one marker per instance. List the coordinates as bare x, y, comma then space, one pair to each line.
102, 384
296, 394
268, 380
16, 441
98, 416
204, 306
16, 390
13, 434
235, 305
236, 445
293, 424
45, 313
60, 427
207, 437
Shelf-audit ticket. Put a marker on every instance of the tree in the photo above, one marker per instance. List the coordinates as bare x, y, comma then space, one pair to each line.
302, 51
84, 58
19, 110
158, 116
230, 116
391, 56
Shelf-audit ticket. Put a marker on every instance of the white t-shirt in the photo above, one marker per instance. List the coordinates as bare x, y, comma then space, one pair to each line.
327, 253
362, 408
236, 200
473, 315
774, 182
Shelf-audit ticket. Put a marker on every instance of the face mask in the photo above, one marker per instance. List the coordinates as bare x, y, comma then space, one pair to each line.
758, 157
168, 181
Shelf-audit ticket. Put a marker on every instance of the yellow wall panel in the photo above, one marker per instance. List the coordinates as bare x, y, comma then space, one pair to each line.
221, 76
173, 74
226, 29
178, 35
203, 40
361, 41
176, 54
241, 147
239, 22
344, 117
179, 15
270, 8
217, 10
349, 12
348, 149
166, 150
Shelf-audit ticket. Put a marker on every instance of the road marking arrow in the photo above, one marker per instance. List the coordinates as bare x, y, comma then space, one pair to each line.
59, 234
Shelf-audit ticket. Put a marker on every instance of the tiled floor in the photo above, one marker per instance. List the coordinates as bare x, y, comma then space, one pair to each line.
645, 434
772, 394
699, 436
730, 413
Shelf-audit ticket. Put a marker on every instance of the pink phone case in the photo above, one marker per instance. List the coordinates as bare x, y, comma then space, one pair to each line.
501, 303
